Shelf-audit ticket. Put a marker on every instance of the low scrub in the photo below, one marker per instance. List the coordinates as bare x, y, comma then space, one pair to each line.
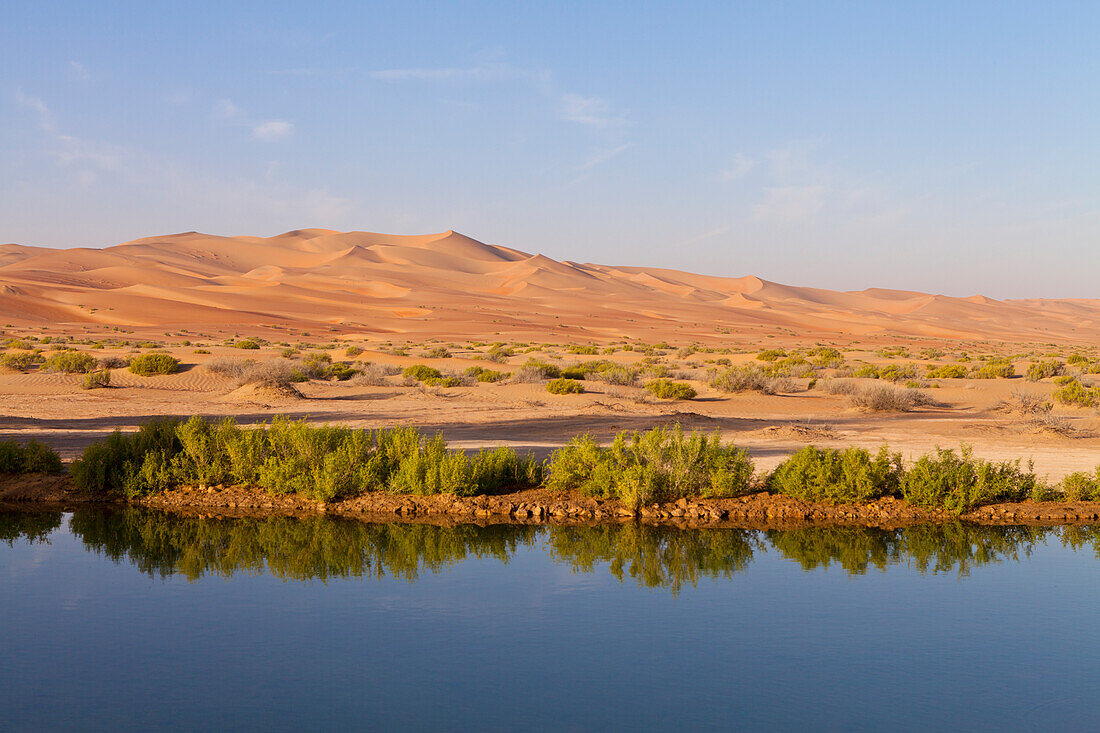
147, 365
750, 377
70, 362
421, 372
884, 398
481, 374
1075, 394
32, 457
658, 465
561, 385
96, 380
947, 371
1000, 368
21, 362
959, 482
1044, 370
849, 476
322, 463
666, 389
1081, 486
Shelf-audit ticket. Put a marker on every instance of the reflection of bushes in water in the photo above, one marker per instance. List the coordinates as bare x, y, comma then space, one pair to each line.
164, 544
656, 556
30, 527
289, 548
929, 547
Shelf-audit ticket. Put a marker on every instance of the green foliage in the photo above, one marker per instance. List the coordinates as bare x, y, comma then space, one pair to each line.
323, 463
658, 465
70, 362
443, 382
959, 482
564, 386
22, 362
545, 370
666, 389
147, 365
96, 379
249, 344
750, 377
996, 368
34, 457
587, 350
851, 475
482, 374
771, 354
1044, 369
947, 371
438, 352
1082, 486
353, 351
421, 372
1073, 393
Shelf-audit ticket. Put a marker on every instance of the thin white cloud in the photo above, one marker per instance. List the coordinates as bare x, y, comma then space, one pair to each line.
76, 152
739, 167
272, 130
494, 72
603, 156
224, 109
589, 111
790, 203
705, 236
78, 72
45, 117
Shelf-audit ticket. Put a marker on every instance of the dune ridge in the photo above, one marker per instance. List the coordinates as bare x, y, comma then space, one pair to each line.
451, 285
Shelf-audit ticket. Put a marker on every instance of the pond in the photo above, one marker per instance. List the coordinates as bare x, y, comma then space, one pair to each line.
141, 620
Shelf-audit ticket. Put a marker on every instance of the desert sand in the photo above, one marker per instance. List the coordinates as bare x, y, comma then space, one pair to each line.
397, 297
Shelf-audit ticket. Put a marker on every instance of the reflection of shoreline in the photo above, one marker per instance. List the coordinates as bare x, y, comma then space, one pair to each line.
319, 548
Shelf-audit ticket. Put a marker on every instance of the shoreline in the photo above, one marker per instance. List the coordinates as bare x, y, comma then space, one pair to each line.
759, 510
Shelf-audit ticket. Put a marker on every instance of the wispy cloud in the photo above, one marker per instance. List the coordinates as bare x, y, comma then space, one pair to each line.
79, 72
603, 156
272, 130
225, 109
739, 167
790, 203
705, 236
483, 73
45, 117
590, 111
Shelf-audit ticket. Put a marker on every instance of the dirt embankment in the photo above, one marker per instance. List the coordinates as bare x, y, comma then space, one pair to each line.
542, 505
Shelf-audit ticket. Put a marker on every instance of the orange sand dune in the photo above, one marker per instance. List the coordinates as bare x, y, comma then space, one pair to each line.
451, 286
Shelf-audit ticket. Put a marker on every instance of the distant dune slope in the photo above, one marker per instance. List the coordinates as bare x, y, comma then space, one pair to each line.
449, 285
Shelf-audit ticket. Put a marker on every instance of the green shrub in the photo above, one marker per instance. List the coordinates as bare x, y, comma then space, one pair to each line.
421, 372
438, 352
959, 482
1081, 486
771, 354
249, 344
947, 371
147, 365
443, 382
353, 351
135, 464
1044, 369
994, 369
564, 386
545, 370
1073, 393
70, 362
22, 362
659, 465
666, 389
97, 379
482, 374
621, 375
573, 373
750, 377
34, 457
851, 475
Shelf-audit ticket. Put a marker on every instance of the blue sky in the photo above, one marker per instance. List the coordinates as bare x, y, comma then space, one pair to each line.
946, 147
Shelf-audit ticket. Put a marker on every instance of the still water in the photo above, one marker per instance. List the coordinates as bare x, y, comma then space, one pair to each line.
139, 620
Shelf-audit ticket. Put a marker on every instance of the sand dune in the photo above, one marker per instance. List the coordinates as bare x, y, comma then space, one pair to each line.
449, 285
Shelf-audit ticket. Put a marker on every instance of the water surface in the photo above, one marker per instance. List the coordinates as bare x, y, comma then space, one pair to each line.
133, 619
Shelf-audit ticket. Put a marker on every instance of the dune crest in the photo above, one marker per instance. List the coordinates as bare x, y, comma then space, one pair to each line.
448, 284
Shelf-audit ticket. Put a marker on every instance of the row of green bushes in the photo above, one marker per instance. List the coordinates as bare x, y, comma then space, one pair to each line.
328, 463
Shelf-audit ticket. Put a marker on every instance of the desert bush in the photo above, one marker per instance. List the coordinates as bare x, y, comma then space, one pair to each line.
449, 381
113, 362
666, 389
96, 380
658, 465
994, 369
1081, 486
851, 475
133, 464
749, 377
883, 398
1074, 393
1024, 403
22, 362
70, 362
375, 375
771, 354
353, 351
586, 350
249, 344
544, 369
564, 386
421, 372
438, 352
33, 457
959, 482
947, 371
619, 375
1044, 369
482, 374
147, 365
